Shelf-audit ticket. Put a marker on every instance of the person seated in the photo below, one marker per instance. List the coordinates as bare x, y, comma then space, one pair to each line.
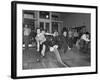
85, 37
84, 42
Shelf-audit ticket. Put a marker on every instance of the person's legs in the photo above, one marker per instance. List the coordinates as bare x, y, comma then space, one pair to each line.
43, 50
58, 57
26, 42
65, 47
70, 43
77, 44
38, 46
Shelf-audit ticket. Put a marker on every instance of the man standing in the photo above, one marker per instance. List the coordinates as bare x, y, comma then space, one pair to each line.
70, 39
27, 32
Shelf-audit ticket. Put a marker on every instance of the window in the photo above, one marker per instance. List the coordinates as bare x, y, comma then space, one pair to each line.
44, 15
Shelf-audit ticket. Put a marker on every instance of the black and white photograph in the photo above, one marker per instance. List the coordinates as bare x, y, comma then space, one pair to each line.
53, 39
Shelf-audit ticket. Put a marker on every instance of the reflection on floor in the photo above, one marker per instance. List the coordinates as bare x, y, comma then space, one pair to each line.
72, 58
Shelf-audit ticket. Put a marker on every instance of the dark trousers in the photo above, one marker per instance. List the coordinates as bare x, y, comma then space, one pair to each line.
70, 42
26, 40
75, 40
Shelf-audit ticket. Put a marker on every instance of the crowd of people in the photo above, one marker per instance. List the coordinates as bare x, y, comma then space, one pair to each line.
65, 40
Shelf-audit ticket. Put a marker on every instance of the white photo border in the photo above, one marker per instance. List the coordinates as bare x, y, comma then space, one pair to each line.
20, 6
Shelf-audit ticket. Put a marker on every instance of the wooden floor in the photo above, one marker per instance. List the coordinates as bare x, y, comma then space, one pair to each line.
72, 58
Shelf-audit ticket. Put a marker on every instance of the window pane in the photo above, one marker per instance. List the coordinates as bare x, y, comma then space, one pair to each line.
47, 27
41, 25
54, 26
44, 15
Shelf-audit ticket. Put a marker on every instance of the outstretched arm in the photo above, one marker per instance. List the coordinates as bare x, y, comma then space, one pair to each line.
49, 34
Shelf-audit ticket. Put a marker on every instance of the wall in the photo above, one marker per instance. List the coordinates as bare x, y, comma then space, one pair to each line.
76, 20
